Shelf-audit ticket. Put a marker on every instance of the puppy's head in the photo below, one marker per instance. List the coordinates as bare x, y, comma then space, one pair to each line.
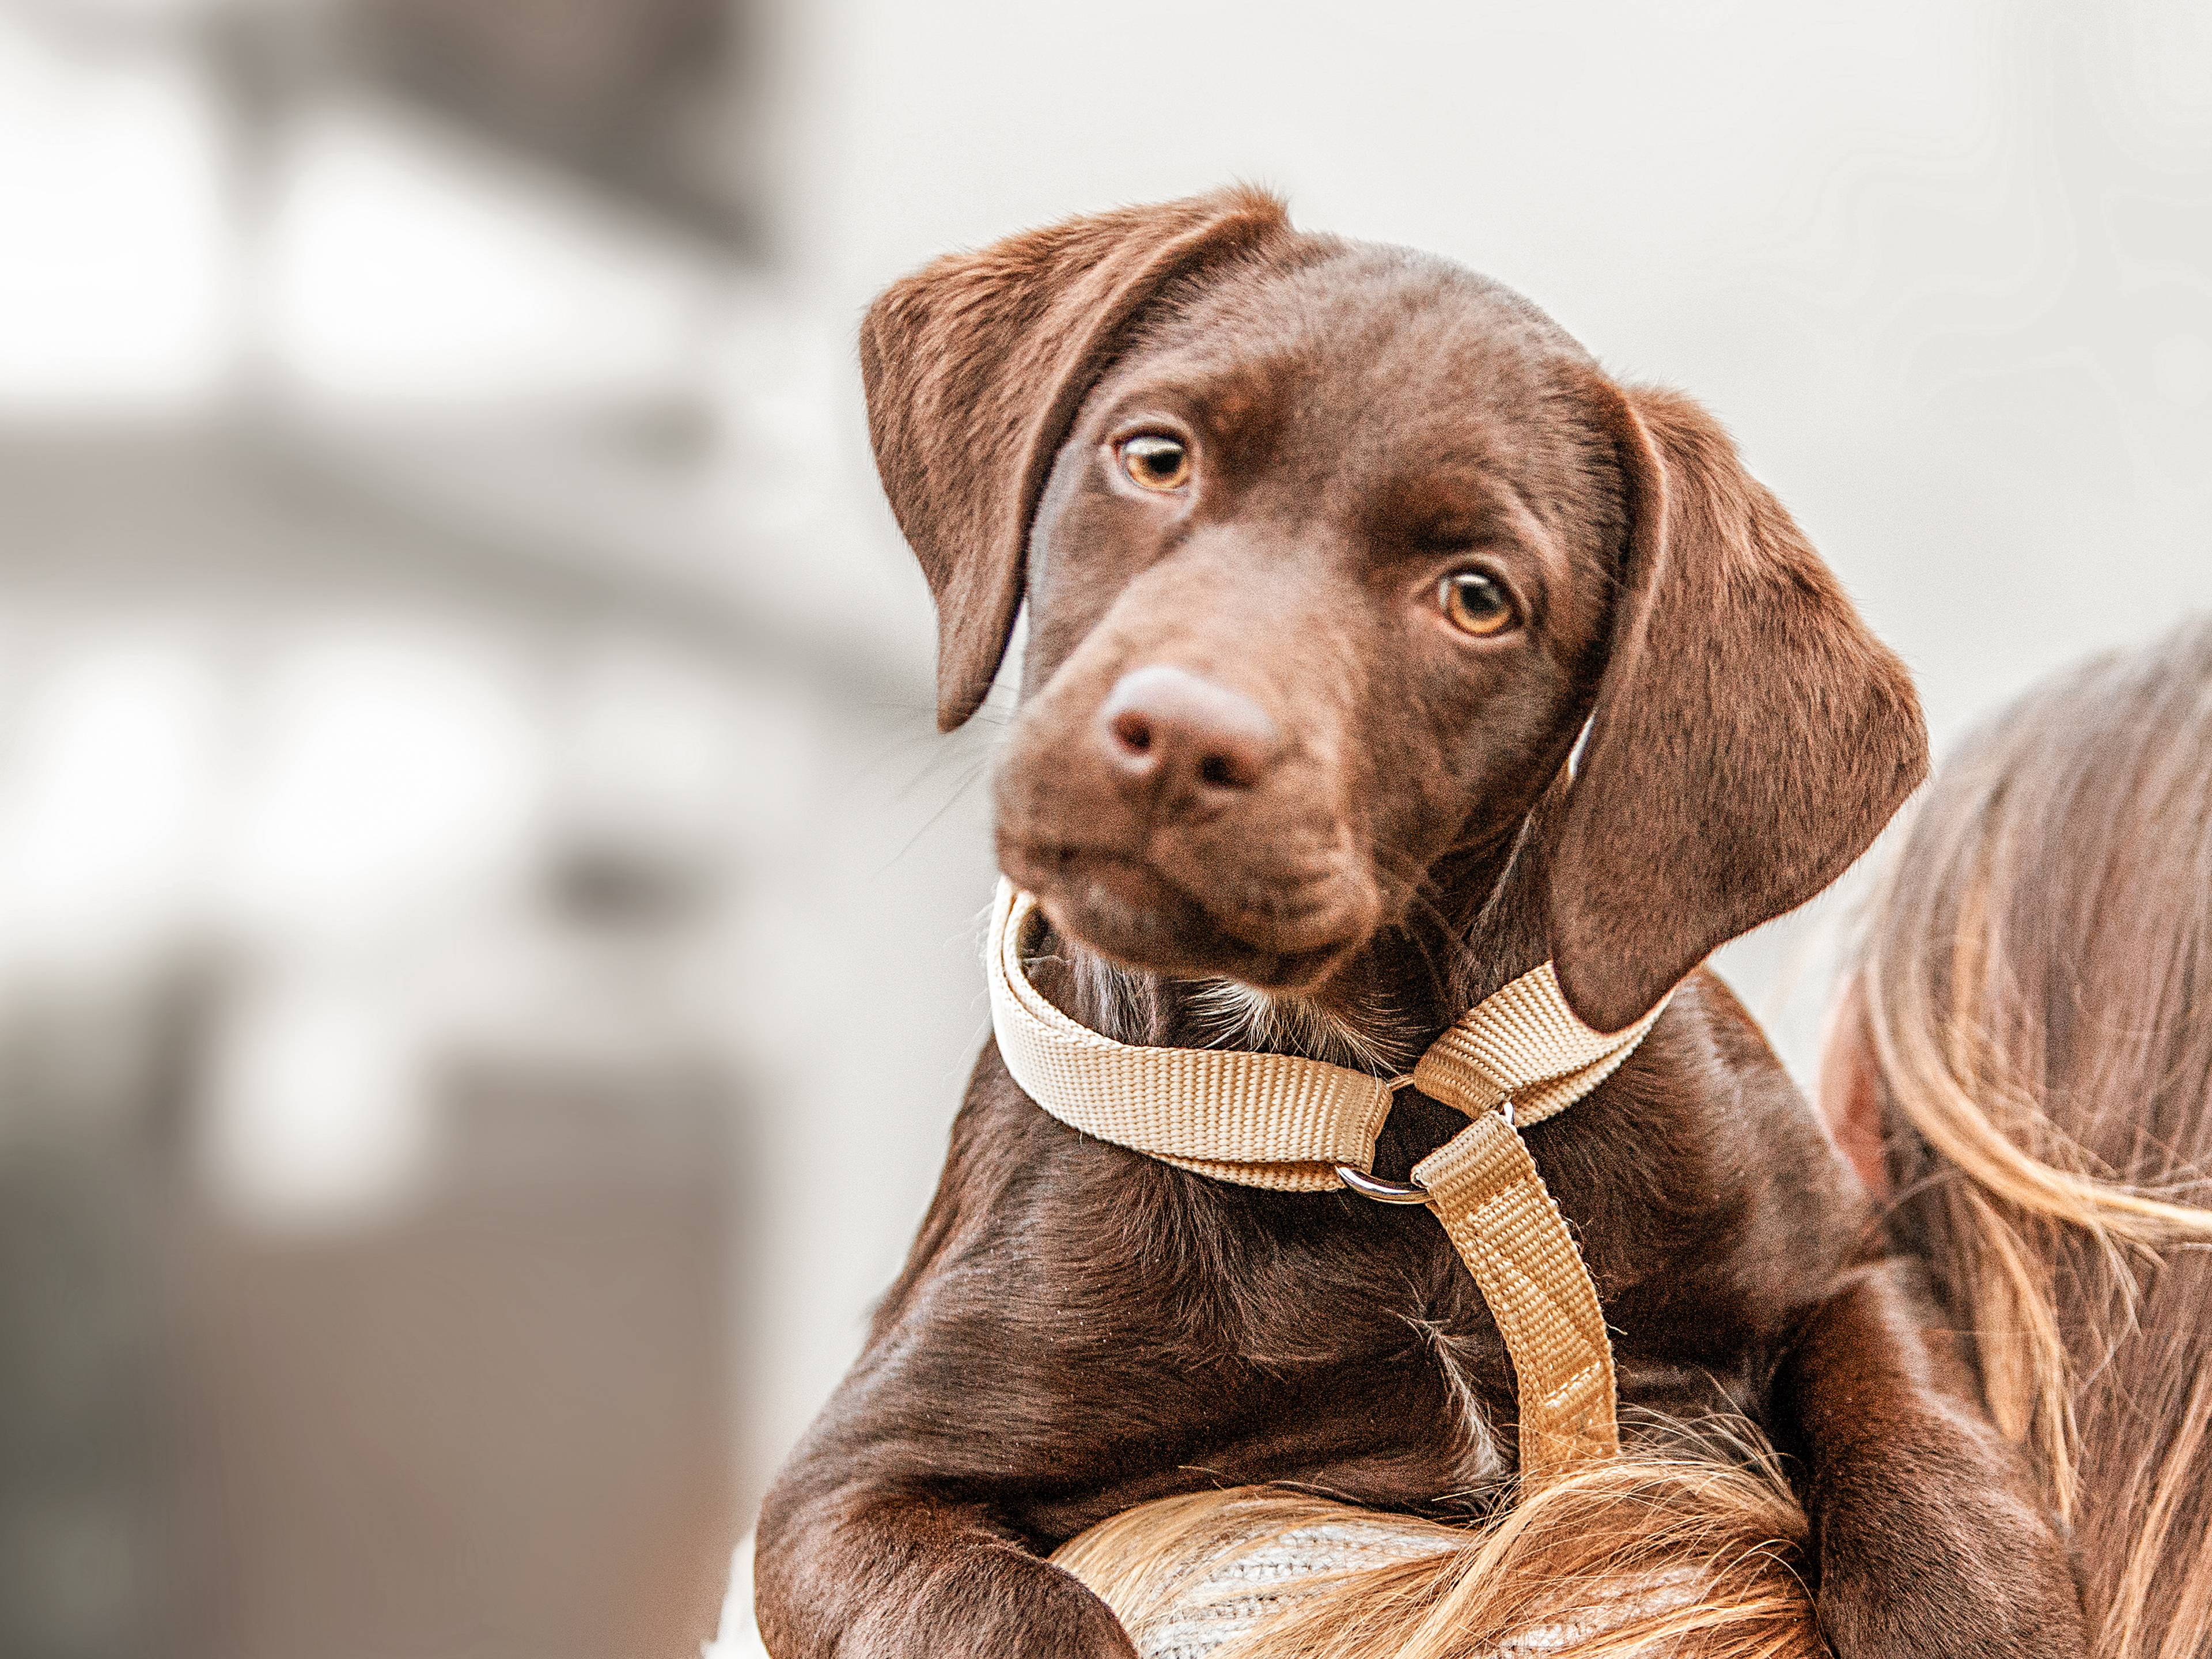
1331, 552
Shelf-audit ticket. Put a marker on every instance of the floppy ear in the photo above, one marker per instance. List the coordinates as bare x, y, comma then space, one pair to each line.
1750, 736
975, 367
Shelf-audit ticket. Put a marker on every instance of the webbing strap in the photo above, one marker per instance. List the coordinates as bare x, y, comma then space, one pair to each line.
1270, 1120
1283, 1122
1524, 1045
1501, 1218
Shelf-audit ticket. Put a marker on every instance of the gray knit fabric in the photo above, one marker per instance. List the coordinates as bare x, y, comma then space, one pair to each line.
1236, 1595
1248, 1586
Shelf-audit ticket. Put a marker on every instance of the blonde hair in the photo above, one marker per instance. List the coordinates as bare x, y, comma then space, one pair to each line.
2035, 990
1681, 1556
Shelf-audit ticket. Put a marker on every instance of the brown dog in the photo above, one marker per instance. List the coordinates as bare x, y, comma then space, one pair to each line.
1331, 553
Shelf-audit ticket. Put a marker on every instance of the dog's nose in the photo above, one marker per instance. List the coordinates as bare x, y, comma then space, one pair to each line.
1167, 727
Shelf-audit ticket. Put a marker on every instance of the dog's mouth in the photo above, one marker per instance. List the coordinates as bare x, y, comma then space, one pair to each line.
1286, 938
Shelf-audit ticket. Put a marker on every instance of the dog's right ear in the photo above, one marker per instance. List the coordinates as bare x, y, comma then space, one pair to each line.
975, 367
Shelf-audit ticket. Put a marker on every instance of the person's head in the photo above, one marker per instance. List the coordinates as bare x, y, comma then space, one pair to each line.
2023, 1061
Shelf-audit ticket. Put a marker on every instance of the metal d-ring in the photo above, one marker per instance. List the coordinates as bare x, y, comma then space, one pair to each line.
1400, 1192
1384, 1192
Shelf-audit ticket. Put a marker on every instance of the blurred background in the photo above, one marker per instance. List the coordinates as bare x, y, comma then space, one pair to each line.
487, 927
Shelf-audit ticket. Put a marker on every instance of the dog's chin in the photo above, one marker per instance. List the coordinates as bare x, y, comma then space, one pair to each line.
1127, 910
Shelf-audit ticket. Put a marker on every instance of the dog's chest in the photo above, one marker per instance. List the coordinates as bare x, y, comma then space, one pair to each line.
1352, 1370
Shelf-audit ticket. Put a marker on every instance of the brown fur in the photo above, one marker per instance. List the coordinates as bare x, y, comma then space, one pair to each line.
1080, 1329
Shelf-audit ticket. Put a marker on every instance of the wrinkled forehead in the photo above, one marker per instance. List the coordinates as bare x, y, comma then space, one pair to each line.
1366, 356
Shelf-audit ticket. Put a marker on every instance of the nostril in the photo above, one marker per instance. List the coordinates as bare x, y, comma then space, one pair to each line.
1161, 726
1134, 732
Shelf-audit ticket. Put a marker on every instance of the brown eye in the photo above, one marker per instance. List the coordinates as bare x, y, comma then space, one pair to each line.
1155, 462
1475, 603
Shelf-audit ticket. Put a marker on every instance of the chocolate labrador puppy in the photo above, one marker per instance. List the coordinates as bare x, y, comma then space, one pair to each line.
1333, 552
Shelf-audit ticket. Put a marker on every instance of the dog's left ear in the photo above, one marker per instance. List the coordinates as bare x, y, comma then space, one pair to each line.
1750, 736
974, 368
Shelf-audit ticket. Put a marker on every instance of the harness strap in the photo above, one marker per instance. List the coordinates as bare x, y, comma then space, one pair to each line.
1288, 1124
1502, 1219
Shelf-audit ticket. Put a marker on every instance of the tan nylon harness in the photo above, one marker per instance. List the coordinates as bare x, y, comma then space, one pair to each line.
1293, 1125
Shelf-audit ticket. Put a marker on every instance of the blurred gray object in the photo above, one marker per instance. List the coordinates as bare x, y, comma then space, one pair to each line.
495, 1411
652, 101
85, 1466
635, 92
500, 1423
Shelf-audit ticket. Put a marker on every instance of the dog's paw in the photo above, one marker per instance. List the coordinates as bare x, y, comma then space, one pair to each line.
1932, 1570
991, 1604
